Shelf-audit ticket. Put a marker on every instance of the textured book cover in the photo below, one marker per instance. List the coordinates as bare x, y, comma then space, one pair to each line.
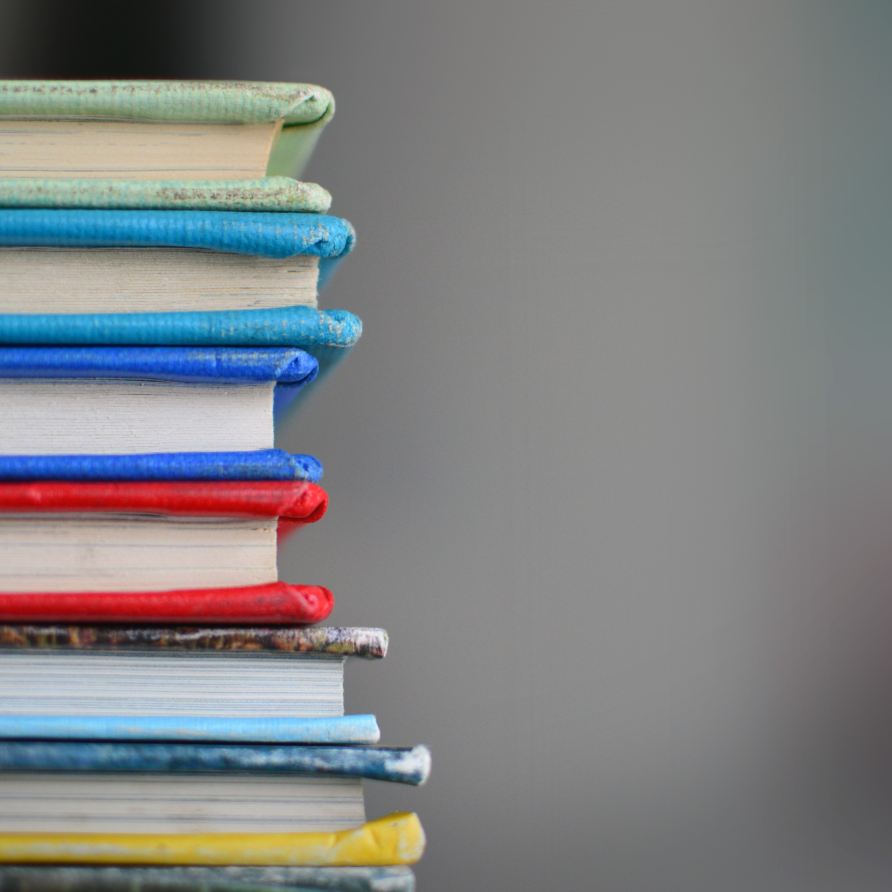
312, 330
272, 603
338, 641
303, 109
261, 464
107, 878
395, 839
405, 765
296, 502
270, 729
258, 234
188, 365
279, 194
218, 102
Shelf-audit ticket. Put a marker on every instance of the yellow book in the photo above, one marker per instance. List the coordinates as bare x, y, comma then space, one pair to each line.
395, 839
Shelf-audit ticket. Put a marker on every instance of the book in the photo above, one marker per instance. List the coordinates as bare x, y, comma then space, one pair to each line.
148, 536
258, 464
107, 878
165, 260
249, 673
150, 129
264, 194
68, 400
102, 787
235, 684
168, 683
392, 840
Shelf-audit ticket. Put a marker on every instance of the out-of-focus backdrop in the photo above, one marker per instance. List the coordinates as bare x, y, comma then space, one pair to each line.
612, 460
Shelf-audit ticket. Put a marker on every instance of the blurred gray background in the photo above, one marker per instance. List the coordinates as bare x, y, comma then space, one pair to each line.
612, 460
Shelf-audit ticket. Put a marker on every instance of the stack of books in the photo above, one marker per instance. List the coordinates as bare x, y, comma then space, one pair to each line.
171, 716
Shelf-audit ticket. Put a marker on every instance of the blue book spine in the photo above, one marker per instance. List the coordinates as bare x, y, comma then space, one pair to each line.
264, 464
399, 765
302, 327
193, 365
340, 729
265, 234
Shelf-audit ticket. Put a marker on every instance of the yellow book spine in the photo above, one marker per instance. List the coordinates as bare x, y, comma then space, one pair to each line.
395, 839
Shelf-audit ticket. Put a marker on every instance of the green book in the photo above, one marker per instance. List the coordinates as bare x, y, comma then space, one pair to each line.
159, 130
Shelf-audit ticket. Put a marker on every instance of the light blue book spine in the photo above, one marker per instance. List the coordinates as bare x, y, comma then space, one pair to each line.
340, 729
262, 234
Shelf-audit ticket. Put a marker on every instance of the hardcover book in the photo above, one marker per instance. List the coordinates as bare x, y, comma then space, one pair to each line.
142, 129
225, 684
70, 400
147, 536
155, 261
63, 786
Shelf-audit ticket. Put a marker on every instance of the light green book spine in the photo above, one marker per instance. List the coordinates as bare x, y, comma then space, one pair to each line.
266, 194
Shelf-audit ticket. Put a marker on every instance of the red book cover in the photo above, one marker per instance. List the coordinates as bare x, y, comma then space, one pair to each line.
276, 603
294, 502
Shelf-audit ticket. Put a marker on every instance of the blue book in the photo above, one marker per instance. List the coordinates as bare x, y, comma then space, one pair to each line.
407, 765
336, 729
259, 234
146, 399
261, 464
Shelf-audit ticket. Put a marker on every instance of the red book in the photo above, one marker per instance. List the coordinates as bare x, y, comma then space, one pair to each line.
276, 603
294, 502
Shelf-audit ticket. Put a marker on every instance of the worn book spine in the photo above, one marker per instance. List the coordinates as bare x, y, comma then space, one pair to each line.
341, 729
279, 194
368, 643
397, 765
218, 102
297, 502
396, 839
262, 464
108, 878
276, 602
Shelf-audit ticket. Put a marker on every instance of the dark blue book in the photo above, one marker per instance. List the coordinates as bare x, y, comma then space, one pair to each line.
69, 400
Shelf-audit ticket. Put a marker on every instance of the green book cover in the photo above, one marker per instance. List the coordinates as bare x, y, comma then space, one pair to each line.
265, 194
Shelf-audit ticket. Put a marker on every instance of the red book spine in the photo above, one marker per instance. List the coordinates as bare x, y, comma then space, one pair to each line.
295, 502
277, 603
